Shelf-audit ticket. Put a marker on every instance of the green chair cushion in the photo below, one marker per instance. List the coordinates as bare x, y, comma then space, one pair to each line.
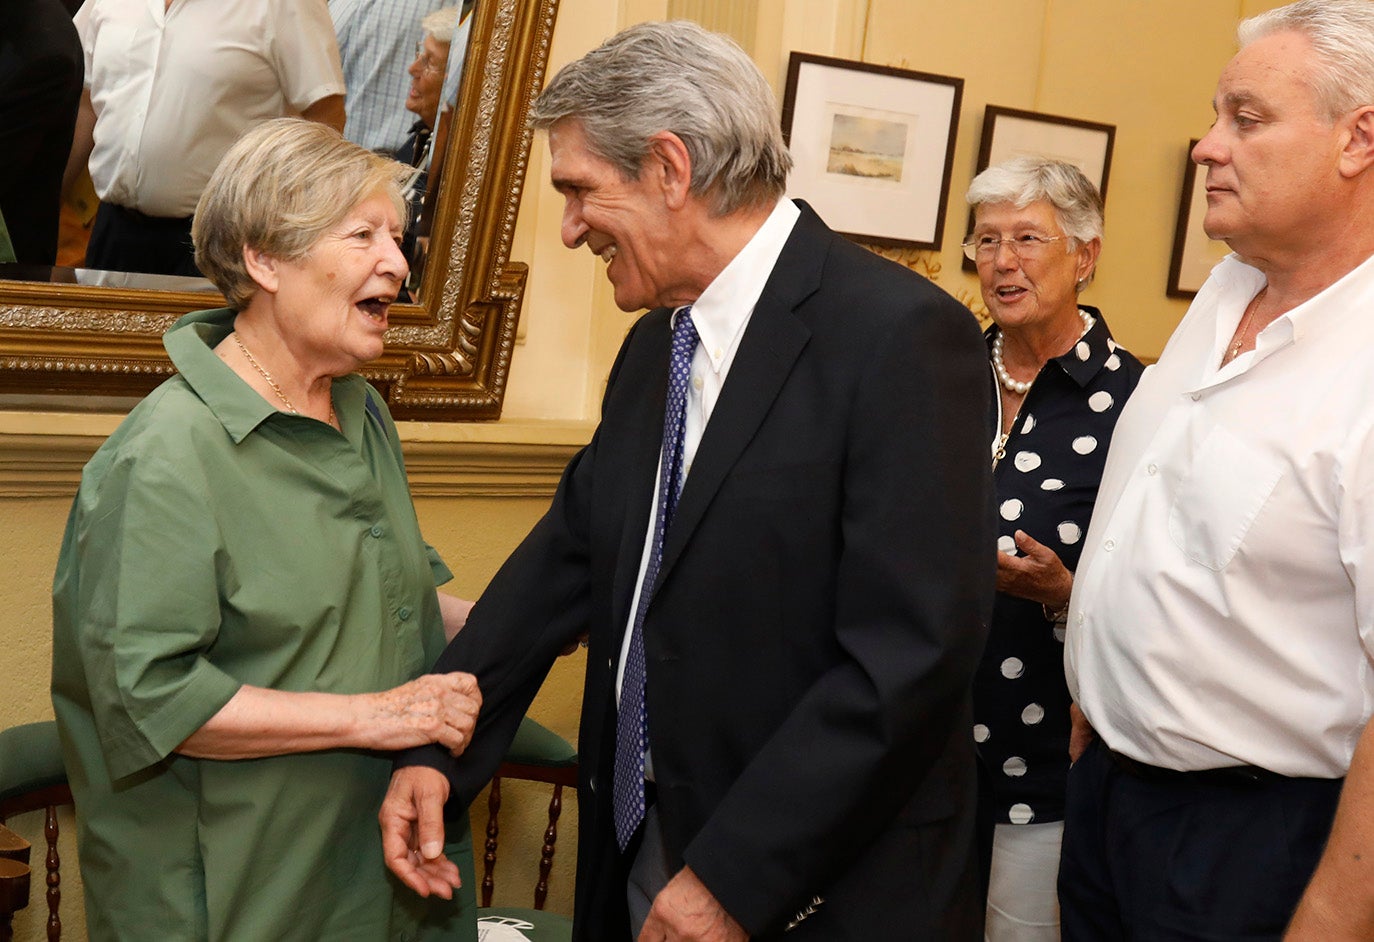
502, 923
30, 759
539, 745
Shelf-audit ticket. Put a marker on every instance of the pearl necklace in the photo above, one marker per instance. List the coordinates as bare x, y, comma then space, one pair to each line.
290, 407
1011, 384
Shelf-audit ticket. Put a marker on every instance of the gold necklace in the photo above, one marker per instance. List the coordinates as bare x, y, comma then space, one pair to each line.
290, 407
1233, 351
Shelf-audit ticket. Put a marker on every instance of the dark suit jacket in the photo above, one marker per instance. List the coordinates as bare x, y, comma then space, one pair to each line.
821, 606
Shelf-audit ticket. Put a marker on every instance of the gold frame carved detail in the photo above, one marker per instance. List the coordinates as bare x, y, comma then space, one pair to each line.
447, 357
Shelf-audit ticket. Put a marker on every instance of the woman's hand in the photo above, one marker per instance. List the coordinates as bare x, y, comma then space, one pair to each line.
438, 708
1038, 574
455, 613
1081, 733
257, 722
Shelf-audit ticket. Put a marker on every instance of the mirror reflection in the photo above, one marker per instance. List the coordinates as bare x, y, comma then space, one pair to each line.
139, 147
79, 336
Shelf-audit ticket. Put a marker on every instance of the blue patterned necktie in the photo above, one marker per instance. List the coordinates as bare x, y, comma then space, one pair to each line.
632, 719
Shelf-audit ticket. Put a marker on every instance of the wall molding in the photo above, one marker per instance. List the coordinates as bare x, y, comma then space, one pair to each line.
42, 454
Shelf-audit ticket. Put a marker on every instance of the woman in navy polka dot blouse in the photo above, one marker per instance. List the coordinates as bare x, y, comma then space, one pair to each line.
1061, 382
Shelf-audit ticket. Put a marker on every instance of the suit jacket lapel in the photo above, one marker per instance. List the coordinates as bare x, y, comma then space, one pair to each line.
770, 346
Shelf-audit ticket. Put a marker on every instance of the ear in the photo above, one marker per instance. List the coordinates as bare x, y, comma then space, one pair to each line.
262, 268
670, 162
1087, 257
1357, 155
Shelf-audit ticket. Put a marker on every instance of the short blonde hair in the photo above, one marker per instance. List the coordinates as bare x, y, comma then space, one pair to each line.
280, 188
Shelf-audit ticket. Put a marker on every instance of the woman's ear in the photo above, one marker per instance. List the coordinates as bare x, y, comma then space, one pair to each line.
262, 268
1087, 258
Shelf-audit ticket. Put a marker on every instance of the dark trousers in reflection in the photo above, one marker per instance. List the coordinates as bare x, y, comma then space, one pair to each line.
127, 240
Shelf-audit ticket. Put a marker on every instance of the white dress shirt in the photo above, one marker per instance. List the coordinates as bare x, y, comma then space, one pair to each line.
1223, 608
720, 316
174, 88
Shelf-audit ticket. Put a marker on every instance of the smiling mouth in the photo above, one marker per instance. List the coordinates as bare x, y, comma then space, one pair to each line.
1007, 292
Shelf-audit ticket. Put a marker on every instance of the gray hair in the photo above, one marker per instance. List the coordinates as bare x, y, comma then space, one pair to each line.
680, 78
279, 189
1342, 35
440, 24
1025, 180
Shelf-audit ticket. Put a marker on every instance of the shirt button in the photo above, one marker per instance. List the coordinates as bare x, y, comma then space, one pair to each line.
1079, 620
403, 613
376, 530
1152, 469
1109, 545
696, 382
1195, 396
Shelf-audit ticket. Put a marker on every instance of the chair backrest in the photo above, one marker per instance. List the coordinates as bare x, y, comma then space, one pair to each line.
537, 754
32, 778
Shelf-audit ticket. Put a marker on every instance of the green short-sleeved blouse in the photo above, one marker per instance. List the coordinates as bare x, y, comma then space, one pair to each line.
215, 542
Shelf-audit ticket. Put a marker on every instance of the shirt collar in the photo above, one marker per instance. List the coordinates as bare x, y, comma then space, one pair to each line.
1351, 294
723, 309
1086, 358
191, 342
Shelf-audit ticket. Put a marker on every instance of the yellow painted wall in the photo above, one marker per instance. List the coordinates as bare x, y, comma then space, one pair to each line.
1147, 66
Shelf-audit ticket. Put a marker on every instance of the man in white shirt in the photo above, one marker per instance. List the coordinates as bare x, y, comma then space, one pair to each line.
774, 727
1221, 634
170, 85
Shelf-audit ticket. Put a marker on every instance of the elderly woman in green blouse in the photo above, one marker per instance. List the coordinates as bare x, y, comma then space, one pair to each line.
244, 606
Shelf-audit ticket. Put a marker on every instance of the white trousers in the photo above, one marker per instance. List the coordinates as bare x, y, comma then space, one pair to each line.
1023, 905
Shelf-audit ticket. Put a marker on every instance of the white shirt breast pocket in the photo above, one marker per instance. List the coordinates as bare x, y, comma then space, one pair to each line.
1221, 497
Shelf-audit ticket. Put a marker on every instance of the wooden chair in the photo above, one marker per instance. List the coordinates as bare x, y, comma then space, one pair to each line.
537, 754
14, 879
32, 777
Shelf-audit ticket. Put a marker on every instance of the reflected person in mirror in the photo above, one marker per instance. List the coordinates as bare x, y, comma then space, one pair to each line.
170, 85
423, 99
779, 544
377, 40
243, 603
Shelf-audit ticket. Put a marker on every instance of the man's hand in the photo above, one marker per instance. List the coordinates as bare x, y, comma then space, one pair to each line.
1038, 575
412, 819
686, 911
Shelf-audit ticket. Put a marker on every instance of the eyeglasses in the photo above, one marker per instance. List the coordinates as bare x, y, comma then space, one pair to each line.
427, 64
984, 248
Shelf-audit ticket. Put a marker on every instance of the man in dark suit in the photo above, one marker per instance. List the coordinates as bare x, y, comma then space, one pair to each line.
779, 543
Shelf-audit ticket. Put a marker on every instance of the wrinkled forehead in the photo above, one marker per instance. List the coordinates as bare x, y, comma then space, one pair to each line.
1274, 71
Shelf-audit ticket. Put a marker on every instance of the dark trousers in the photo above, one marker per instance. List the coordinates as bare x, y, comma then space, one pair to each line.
127, 240
1154, 857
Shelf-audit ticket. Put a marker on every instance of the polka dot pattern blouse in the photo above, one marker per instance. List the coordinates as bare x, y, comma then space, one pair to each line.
1046, 485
